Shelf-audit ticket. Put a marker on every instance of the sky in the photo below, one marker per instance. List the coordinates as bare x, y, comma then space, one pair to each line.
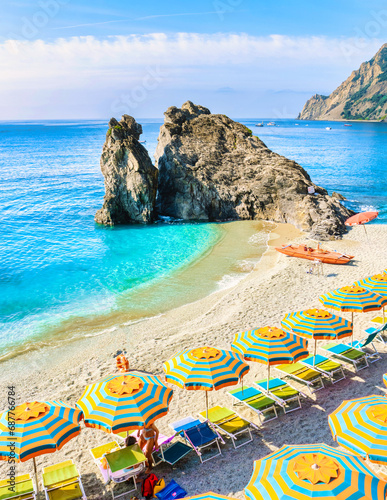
93, 59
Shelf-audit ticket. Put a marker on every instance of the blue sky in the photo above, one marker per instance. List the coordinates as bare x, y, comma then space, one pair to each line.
95, 59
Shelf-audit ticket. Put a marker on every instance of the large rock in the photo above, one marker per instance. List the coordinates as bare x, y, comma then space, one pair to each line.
130, 177
212, 168
363, 95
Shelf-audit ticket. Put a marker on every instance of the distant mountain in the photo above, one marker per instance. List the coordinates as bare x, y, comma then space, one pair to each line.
363, 96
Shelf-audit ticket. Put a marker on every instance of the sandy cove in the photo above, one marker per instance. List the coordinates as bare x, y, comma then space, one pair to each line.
277, 285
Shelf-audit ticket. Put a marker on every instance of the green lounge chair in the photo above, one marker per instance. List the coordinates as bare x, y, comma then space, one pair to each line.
63, 482
367, 344
302, 374
24, 489
256, 401
230, 423
342, 351
331, 369
282, 392
382, 330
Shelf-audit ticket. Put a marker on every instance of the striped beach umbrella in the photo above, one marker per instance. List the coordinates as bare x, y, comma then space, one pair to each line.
352, 299
205, 368
317, 324
124, 402
270, 346
210, 495
313, 471
360, 425
36, 428
377, 284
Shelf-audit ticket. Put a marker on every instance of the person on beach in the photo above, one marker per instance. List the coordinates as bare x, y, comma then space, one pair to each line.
148, 441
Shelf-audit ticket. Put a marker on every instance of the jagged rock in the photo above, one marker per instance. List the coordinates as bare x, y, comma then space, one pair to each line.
213, 168
363, 96
130, 177
338, 196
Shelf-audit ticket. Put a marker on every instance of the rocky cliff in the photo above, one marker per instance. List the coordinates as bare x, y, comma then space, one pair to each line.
363, 96
212, 168
130, 177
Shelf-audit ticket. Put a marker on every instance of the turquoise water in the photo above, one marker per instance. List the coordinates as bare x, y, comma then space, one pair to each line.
57, 264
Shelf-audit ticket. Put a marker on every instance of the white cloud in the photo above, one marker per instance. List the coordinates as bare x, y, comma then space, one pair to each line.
79, 61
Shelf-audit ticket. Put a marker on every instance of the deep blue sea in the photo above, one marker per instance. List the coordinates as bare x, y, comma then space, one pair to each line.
56, 264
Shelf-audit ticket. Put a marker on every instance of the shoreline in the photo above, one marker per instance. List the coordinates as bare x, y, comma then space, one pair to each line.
202, 276
277, 285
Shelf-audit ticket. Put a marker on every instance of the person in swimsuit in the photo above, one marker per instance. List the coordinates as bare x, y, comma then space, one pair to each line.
148, 441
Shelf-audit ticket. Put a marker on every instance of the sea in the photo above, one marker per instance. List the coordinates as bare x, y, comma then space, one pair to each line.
63, 276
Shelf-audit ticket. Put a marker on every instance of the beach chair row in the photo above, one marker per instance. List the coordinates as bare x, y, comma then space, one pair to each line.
60, 482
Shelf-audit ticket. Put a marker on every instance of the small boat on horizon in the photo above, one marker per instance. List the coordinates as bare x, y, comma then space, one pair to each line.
347, 125
142, 142
259, 124
271, 124
309, 253
328, 128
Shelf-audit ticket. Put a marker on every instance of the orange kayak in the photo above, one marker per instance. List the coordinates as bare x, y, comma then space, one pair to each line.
325, 256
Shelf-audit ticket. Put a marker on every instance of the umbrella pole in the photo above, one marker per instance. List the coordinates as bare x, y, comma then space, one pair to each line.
352, 330
315, 351
268, 376
36, 476
366, 233
384, 319
206, 404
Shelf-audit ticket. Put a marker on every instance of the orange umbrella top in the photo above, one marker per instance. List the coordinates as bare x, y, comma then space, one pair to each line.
361, 218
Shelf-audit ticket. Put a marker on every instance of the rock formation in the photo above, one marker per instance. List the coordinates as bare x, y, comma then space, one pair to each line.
130, 177
363, 96
212, 168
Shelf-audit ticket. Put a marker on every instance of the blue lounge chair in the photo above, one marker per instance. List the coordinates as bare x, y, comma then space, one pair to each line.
287, 396
328, 367
367, 344
255, 401
199, 435
347, 353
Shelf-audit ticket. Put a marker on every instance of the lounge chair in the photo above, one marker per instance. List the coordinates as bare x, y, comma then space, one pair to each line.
123, 465
287, 396
169, 450
367, 344
349, 354
98, 453
382, 333
302, 374
24, 489
230, 423
326, 366
199, 435
256, 401
63, 482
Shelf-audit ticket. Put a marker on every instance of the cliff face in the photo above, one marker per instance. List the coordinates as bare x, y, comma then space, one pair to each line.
363, 96
212, 168
130, 177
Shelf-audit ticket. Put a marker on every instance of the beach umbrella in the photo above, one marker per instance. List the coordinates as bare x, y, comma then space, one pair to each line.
377, 284
205, 369
361, 219
360, 425
270, 346
124, 402
36, 428
313, 471
353, 299
385, 379
317, 324
210, 495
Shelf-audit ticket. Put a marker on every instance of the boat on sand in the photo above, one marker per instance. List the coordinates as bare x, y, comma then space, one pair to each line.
309, 253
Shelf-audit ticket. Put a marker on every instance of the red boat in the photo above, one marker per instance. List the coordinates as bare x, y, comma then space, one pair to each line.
309, 253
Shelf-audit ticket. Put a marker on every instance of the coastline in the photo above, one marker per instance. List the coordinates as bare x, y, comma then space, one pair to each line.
277, 285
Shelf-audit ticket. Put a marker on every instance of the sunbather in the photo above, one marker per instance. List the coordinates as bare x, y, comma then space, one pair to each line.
148, 441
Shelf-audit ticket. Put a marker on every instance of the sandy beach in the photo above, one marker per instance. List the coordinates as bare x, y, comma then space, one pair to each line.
276, 286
